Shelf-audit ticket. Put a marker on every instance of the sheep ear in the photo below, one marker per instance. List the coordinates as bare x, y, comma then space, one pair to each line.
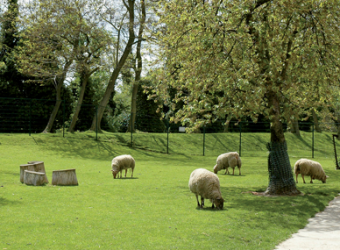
327, 176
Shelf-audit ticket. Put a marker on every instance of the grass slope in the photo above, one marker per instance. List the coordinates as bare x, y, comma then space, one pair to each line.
153, 210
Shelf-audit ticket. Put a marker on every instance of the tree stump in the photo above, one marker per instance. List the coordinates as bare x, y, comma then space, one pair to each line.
34, 178
24, 167
66, 177
39, 167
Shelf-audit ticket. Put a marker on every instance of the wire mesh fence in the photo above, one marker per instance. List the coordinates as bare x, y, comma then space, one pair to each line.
154, 134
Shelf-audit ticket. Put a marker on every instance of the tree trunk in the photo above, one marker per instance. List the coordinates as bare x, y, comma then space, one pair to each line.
138, 72
84, 79
111, 85
78, 106
58, 85
281, 180
316, 122
226, 125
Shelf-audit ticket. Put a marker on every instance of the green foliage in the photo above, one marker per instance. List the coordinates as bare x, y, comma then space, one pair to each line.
154, 210
246, 51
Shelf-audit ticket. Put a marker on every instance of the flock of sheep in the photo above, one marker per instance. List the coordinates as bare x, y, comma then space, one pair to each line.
206, 183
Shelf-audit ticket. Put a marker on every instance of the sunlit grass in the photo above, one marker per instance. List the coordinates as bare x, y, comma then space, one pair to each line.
153, 210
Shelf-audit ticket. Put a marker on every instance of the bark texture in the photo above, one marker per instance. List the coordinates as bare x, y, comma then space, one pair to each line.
66, 177
34, 178
281, 179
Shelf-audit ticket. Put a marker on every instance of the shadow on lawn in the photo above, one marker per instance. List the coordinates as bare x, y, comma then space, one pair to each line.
6, 202
127, 178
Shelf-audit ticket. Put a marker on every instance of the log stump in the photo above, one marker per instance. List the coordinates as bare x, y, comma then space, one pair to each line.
66, 177
34, 178
24, 167
39, 166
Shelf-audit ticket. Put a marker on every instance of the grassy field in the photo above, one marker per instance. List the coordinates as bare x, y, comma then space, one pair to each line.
155, 209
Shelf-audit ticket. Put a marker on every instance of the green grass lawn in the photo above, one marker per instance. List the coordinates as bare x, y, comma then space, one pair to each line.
155, 209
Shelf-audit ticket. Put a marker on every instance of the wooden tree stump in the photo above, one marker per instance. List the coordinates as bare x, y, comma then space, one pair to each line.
39, 166
34, 178
66, 177
24, 167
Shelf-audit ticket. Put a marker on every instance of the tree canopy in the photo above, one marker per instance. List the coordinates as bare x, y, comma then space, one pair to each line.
248, 51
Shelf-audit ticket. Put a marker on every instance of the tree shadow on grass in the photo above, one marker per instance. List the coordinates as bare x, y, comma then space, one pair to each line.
6, 202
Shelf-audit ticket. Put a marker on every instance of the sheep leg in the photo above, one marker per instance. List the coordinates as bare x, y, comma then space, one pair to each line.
131, 172
233, 170
202, 202
198, 203
125, 172
311, 179
121, 174
297, 177
303, 178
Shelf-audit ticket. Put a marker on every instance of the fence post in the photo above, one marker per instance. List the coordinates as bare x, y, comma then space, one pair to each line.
240, 145
131, 126
63, 118
167, 136
96, 107
204, 140
313, 140
30, 116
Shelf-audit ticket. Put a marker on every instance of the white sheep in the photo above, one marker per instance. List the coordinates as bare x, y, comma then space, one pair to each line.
224, 161
122, 162
309, 168
206, 184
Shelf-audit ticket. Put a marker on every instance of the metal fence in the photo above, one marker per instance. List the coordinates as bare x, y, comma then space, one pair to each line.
246, 137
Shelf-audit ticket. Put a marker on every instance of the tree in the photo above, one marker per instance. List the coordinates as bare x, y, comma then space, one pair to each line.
266, 56
92, 45
55, 35
8, 42
126, 20
50, 40
138, 66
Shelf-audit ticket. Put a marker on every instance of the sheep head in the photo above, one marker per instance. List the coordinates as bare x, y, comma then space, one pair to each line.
114, 173
215, 169
218, 203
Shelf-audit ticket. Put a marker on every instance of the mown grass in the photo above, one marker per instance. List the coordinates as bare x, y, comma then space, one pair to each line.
155, 209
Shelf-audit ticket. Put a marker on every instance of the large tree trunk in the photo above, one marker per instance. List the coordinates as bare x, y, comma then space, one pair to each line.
281, 180
138, 72
111, 85
84, 79
78, 106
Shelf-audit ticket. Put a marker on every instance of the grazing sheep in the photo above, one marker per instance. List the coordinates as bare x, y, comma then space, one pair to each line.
224, 161
122, 162
309, 168
206, 184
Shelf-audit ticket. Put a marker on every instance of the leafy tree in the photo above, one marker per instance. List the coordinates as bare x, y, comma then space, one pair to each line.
266, 56
121, 18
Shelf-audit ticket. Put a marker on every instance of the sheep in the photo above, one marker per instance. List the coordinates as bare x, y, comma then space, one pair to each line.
224, 161
122, 162
206, 184
309, 168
